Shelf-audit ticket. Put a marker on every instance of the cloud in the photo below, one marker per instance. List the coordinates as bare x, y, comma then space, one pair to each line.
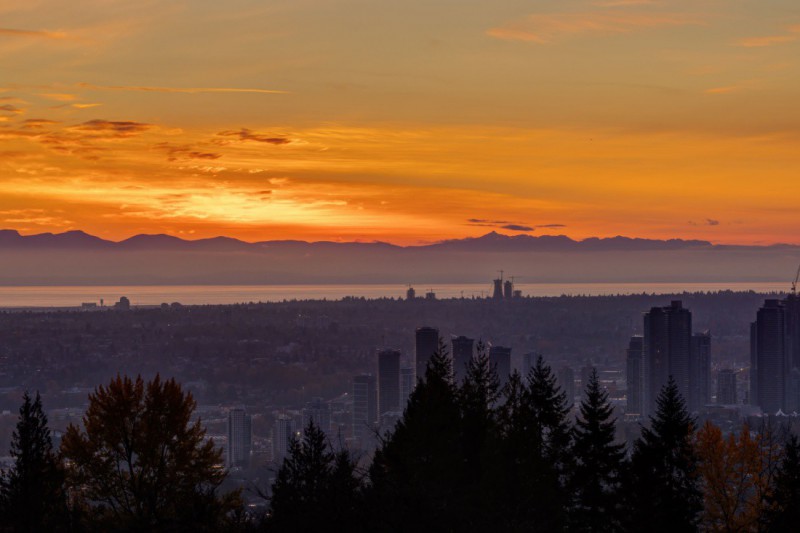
706, 222
722, 90
118, 128
517, 227
187, 90
37, 123
547, 28
793, 34
620, 3
85, 106
41, 34
758, 42
505, 224
245, 134
486, 221
59, 97
8, 108
175, 152
501, 224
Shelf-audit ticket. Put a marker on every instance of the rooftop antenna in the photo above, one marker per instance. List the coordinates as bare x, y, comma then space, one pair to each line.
794, 283
501, 274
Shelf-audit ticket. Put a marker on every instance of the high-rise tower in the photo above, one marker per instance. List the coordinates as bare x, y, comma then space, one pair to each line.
726, 386
463, 348
769, 357
500, 359
667, 350
365, 405
427, 344
700, 371
388, 381
634, 364
239, 438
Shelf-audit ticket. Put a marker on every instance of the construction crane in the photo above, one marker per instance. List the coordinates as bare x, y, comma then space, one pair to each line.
794, 283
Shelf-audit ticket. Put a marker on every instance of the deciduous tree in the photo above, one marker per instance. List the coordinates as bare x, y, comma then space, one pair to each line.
139, 463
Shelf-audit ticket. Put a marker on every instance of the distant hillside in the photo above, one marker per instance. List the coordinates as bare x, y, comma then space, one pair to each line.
77, 258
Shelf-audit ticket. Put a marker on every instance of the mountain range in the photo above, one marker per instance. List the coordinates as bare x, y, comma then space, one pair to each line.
77, 258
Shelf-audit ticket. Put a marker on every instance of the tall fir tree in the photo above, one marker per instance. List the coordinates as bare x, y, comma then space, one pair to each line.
662, 487
539, 434
598, 465
32, 494
417, 472
783, 502
315, 488
477, 399
514, 424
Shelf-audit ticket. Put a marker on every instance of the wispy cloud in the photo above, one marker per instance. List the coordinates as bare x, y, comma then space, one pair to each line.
245, 134
723, 90
59, 97
123, 128
39, 34
517, 227
38, 123
793, 34
8, 108
177, 152
547, 28
187, 90
706, 222
621, 3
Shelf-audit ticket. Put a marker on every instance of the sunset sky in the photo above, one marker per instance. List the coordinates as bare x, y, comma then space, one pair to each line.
408, 121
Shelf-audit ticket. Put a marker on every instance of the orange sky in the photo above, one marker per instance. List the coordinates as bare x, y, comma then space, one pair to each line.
406, 122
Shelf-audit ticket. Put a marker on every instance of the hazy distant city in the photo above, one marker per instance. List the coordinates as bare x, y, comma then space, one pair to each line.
259, 370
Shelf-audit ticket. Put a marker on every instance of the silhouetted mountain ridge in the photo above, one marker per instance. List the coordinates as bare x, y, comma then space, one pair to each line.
490, 242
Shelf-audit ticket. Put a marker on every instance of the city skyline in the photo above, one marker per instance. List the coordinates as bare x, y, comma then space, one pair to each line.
407, 124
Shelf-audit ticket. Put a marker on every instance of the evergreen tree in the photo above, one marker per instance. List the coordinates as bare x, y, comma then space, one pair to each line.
598, 463
417, 472
662, 489
783, 514
315, 489
513, 421
535, 452
477, 398
32, 496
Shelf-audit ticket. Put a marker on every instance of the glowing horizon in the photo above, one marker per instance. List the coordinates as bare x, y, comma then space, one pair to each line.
406, 123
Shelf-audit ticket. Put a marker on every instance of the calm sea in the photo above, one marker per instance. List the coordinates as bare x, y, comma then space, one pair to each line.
17, 297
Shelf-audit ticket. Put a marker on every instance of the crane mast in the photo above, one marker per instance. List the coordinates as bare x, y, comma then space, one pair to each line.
794, 283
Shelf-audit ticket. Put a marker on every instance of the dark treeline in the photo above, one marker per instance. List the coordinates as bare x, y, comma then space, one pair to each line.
470, 456
474, 457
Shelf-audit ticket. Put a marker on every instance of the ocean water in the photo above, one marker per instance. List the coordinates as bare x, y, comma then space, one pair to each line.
146, 295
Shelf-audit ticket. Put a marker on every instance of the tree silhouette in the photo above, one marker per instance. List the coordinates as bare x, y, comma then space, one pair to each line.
315, 488
32, 496
783, 512
140, 464
662, 490
477, 397
598, 463
417, 472
534, 452
735, 478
